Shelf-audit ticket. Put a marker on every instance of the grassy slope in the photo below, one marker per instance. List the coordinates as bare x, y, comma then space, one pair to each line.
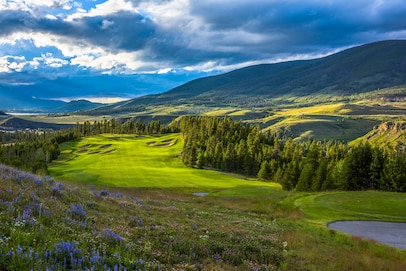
127, 161
256, 212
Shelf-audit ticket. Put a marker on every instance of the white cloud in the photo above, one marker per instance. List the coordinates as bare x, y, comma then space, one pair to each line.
103, 9
53, 62
123, 62
51, 17
36, 6
106, 24
12, 63
4, 65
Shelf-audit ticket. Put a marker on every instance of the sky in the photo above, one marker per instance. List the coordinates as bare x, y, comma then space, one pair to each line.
155, 45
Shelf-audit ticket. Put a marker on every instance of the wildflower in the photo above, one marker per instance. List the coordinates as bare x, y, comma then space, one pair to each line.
57, 189
19, 250
77, 211
111, 236
104, 193
38, 181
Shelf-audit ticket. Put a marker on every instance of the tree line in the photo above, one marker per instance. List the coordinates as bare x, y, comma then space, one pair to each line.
34, 150
223, 144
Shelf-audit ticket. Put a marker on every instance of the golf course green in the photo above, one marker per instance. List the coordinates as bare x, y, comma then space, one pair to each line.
139, 161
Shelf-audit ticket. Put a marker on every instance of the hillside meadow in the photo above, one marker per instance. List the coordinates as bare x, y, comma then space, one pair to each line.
272, 229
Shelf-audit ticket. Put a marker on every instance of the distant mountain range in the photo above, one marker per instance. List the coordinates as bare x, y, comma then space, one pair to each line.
24, 91
352, 71
11, 100
14, 100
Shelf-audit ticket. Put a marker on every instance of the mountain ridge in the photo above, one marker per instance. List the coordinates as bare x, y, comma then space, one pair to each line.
355, 70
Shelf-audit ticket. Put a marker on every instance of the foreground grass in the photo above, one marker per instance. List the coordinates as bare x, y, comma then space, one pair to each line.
134, 220
49, 225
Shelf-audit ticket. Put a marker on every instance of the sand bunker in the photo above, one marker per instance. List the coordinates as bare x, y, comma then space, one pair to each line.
163, 145
109, 151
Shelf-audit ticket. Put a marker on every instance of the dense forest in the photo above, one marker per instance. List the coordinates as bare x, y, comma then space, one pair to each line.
223, 144
303, 166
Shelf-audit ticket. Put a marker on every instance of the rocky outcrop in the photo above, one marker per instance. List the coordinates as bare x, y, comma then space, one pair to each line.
395, 126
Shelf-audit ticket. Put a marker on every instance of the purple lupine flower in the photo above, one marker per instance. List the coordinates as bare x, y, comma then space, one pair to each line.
57, 189
111, 236
77, 211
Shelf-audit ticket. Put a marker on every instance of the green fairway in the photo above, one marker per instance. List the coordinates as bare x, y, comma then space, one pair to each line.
131, 161
362, 205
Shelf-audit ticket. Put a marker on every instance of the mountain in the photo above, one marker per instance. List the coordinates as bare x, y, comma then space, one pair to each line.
78, 105
80, 85
355, 70
11, 99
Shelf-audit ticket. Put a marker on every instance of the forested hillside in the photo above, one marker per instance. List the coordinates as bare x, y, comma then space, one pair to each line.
305, 166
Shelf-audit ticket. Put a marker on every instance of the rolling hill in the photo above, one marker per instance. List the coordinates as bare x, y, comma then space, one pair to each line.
352, 71
77, 105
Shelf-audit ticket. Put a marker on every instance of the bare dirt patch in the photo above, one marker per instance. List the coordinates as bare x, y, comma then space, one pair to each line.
151, 143
81, 151
105, 146
94, 152
85, 146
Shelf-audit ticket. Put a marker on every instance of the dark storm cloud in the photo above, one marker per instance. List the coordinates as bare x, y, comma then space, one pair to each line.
304, 25
225, 32
122, 30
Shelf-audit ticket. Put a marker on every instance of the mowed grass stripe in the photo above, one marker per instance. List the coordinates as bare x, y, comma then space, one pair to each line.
137, 162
